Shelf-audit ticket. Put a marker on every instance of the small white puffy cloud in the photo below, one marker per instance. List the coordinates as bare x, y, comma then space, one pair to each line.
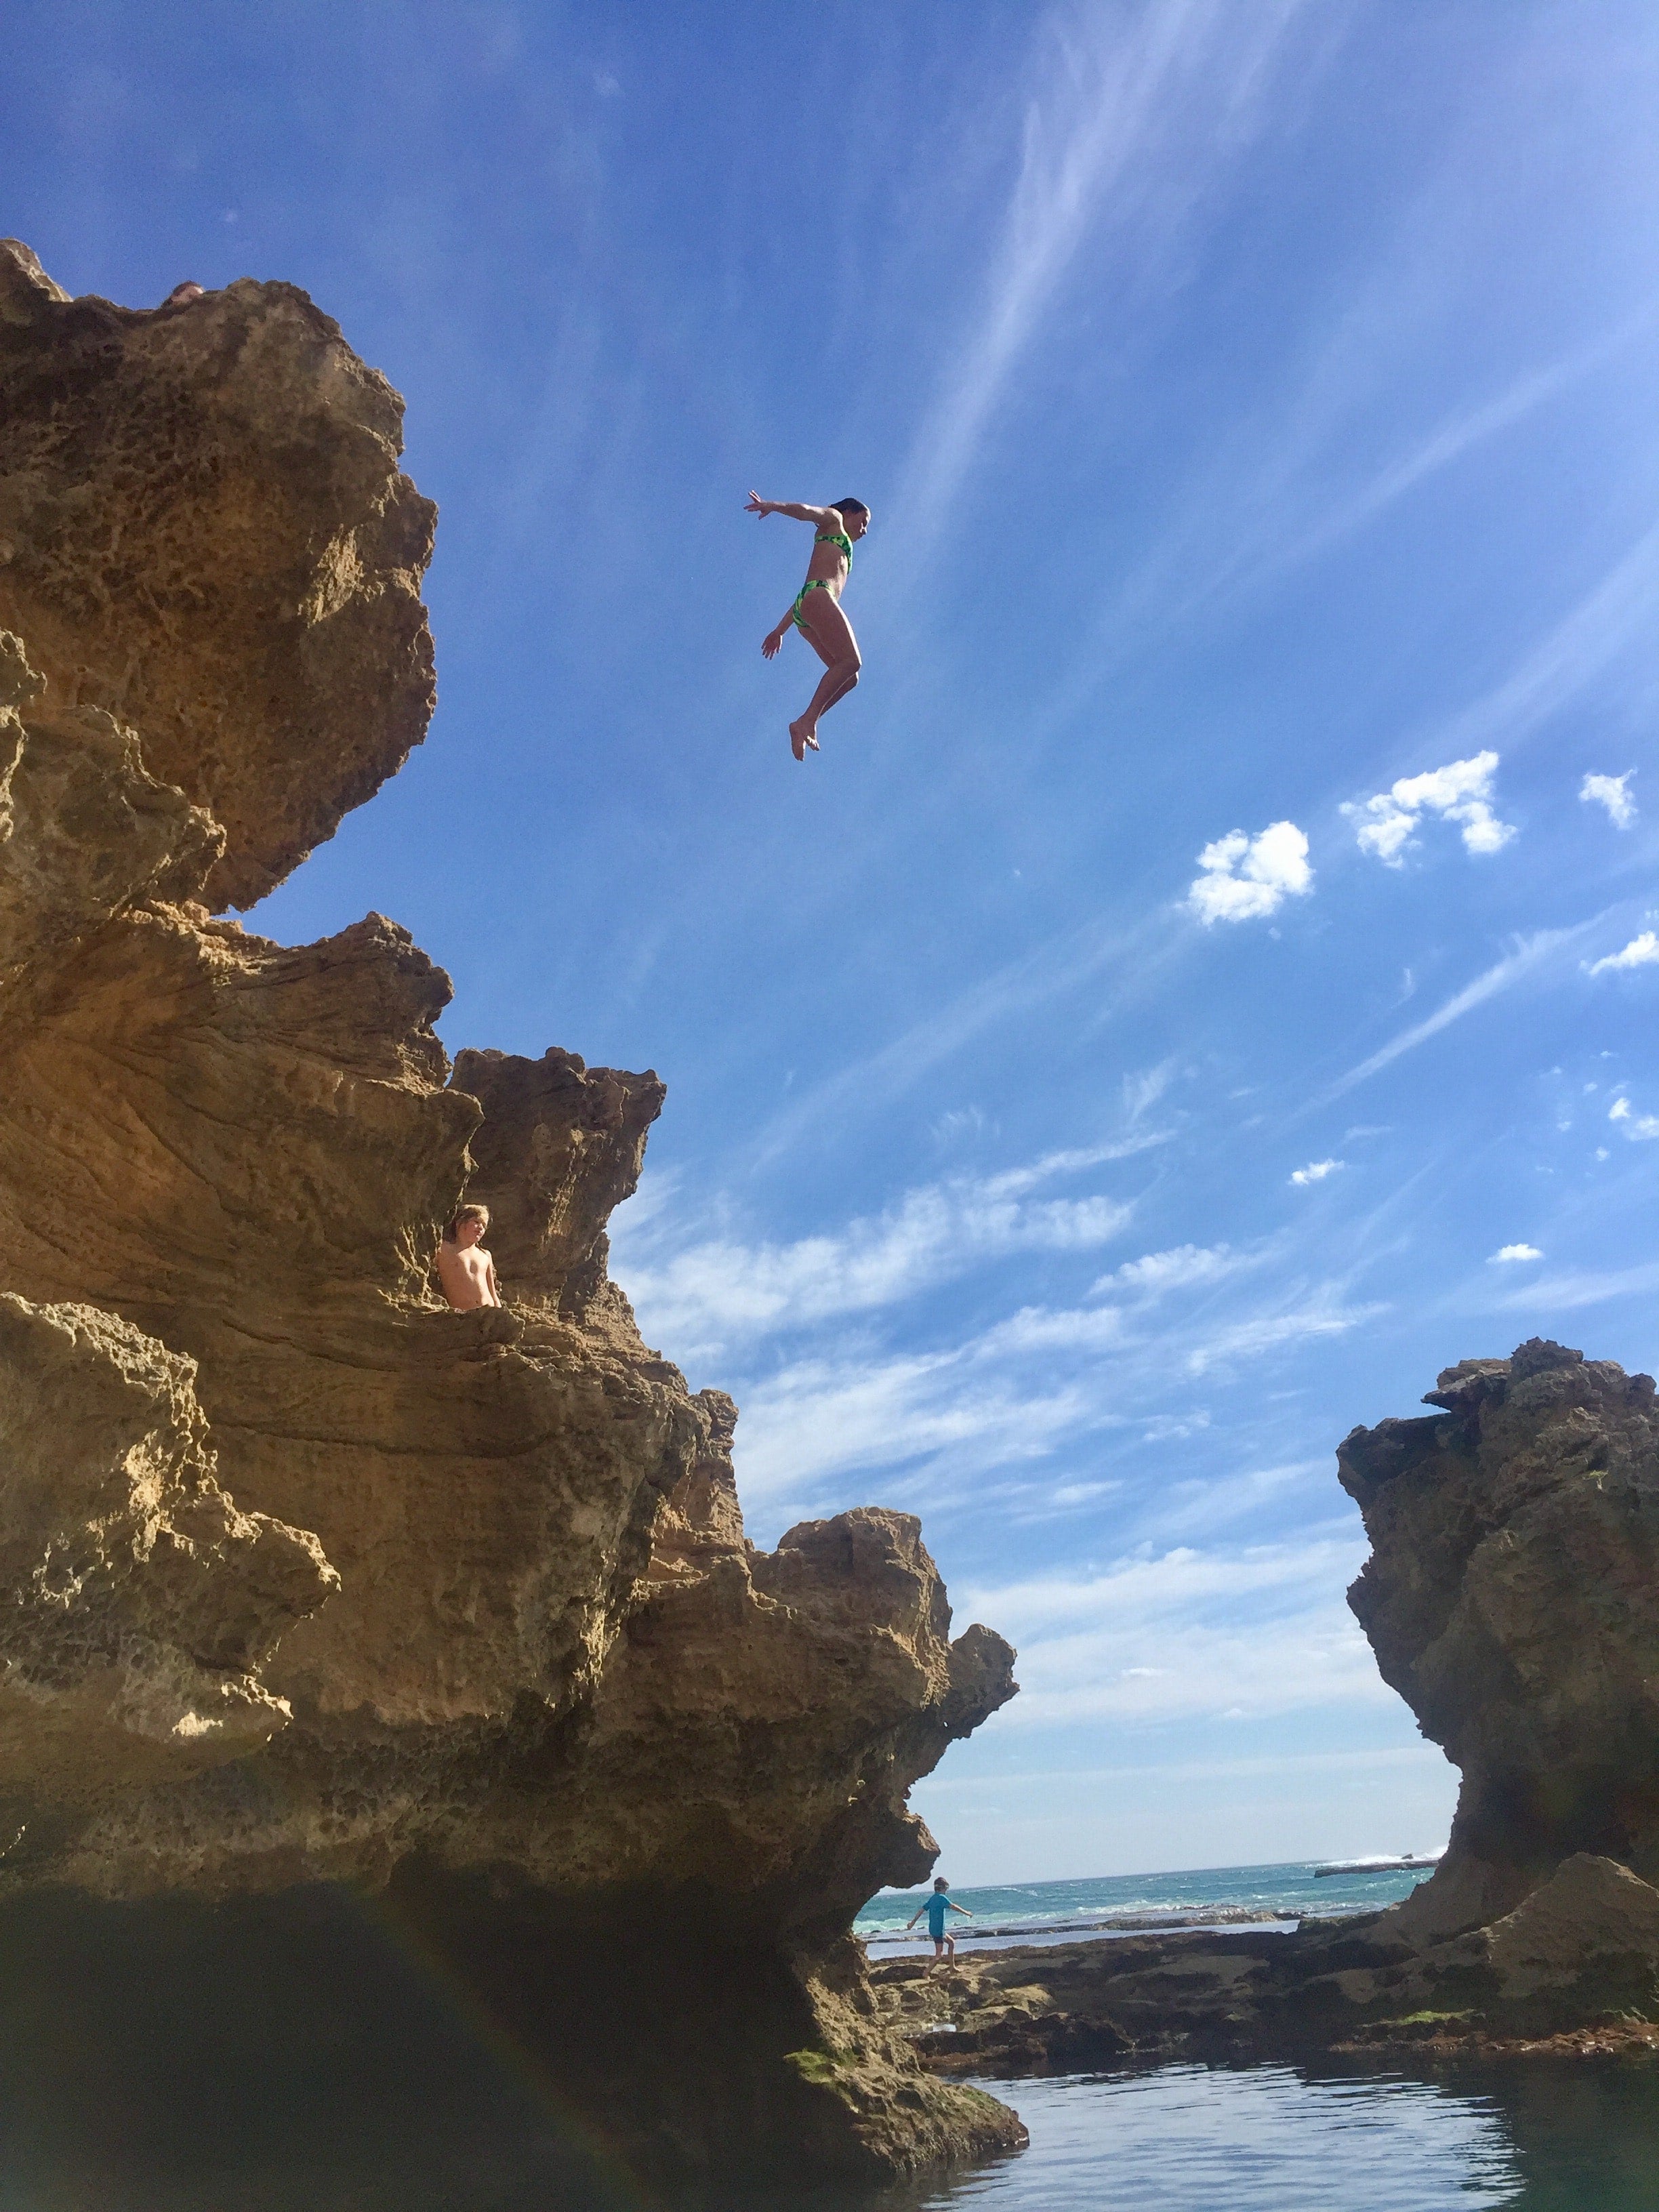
1609, 791
1637, 1127
1506, 1253
1244, 877
1642, 952
1460, 792
1315, 1171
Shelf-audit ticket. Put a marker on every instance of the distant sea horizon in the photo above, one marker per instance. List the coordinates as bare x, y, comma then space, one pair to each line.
1047, 1911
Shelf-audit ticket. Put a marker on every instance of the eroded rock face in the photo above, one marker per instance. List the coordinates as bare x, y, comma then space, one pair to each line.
314, 1581
203, 532
1510, 1600
138, 1607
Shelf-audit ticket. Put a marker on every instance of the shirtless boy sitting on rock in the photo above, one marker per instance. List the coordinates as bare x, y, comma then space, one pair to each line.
465, 1270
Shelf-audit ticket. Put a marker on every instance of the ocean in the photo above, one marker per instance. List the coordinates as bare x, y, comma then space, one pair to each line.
1065, 1911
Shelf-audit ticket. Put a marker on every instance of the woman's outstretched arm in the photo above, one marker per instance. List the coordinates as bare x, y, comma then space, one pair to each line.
757, 505
773, 642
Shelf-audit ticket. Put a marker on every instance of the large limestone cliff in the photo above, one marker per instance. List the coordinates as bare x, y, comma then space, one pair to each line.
315, 1590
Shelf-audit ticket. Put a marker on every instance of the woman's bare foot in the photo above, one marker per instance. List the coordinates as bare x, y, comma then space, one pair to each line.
800, 737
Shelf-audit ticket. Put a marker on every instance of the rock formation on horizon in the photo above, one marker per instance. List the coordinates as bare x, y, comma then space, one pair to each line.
1512, 1599
311, 1581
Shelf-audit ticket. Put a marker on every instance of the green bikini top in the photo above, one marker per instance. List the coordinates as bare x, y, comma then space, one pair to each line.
837, 538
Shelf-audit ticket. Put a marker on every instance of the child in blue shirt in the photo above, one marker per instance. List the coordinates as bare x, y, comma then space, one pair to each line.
944, 1944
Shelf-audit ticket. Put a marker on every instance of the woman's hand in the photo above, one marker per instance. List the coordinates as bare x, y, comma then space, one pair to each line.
757, 505
771, 643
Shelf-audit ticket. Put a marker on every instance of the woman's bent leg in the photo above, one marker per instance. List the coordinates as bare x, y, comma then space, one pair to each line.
830, 637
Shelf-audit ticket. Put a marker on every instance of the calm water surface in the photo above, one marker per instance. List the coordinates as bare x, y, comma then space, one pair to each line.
1552, 2138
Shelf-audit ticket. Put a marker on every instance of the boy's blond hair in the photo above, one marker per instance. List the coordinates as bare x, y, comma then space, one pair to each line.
453, 1227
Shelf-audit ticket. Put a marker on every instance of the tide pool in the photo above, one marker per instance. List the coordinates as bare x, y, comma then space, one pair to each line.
1554, 2136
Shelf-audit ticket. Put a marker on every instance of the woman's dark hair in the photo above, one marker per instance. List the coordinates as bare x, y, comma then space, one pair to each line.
843, 504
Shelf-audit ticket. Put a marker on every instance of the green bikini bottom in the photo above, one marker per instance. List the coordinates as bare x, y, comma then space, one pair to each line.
813, 584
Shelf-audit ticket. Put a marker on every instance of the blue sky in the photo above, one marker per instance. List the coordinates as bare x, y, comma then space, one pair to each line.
1118, 1065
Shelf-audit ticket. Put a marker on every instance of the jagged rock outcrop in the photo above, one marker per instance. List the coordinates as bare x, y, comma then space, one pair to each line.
1510, 1600
204, 532
137, 1606
320, 1590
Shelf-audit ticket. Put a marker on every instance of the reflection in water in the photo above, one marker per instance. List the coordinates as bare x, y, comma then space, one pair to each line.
1585, 2136
1257, 2139
1550, 2137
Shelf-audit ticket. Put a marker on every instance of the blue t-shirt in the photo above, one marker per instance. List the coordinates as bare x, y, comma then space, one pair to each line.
937, 1909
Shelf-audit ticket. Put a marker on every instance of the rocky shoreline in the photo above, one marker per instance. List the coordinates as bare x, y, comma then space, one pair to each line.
1573, 1971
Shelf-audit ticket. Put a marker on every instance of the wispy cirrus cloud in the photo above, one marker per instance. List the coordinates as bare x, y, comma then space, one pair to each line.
1582, 1287
1187, 1632
1155, 1273
1134, 959
1126, 121
705, 1294
1594, 630
1328, 1313
841, 1372
1530, 957
1012, 1395
1281, 492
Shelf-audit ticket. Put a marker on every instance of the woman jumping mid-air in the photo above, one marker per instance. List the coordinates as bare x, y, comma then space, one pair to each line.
817, 611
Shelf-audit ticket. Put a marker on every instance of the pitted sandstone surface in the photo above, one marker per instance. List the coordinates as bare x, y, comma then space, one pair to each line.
205, 532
